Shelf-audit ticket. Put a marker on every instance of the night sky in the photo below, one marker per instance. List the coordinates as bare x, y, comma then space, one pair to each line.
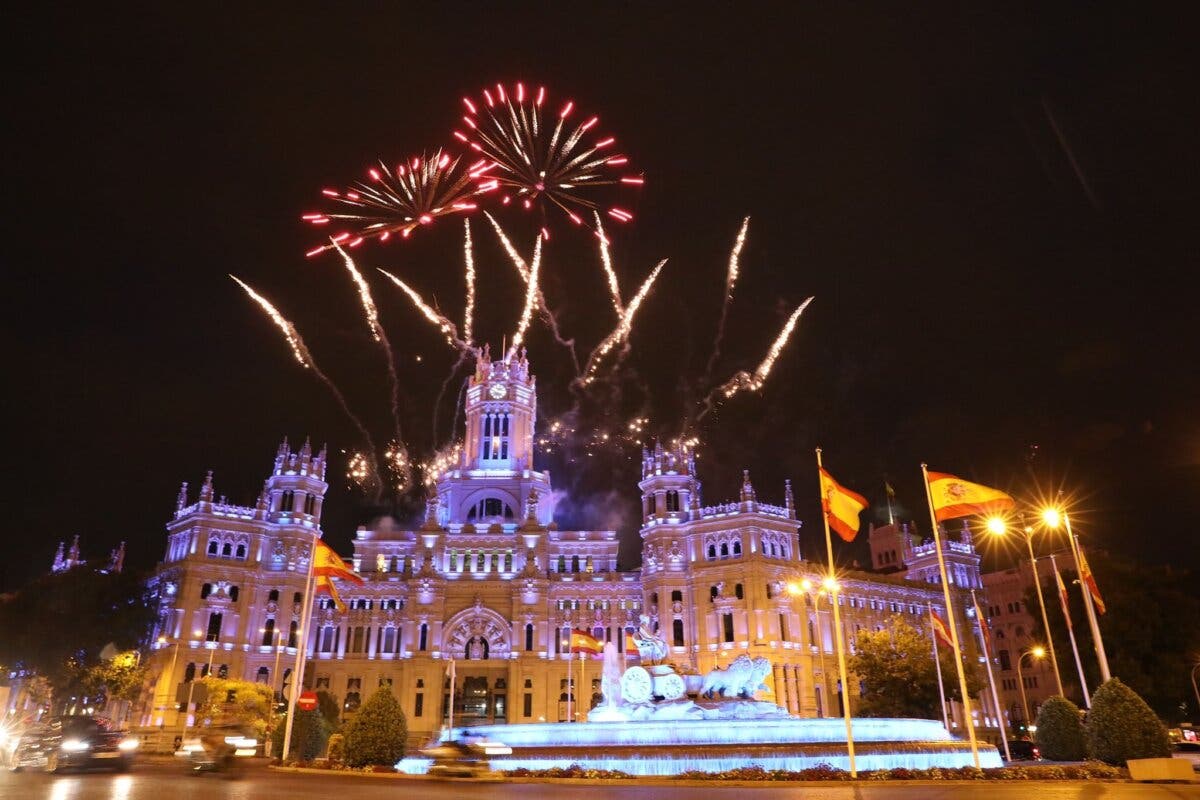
995, 209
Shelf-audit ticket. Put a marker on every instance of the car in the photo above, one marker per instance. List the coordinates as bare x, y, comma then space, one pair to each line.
74, 743
1188, 750
1024, 750
464, 758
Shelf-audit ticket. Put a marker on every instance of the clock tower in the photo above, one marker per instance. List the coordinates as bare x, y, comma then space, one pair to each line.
495, 475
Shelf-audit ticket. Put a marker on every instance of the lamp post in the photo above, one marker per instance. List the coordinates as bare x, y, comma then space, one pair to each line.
1053, 518
275, 670
805, 589
1036, 652
997, 527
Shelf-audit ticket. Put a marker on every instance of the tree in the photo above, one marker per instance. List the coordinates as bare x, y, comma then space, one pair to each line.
1121, 726
378, 732
309, 736
897, 672
328, 705
1060, 730
247, 703
58, 625
1149, 651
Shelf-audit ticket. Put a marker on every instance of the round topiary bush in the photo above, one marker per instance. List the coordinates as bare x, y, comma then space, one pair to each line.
1060, 731
377, 734
1121, 726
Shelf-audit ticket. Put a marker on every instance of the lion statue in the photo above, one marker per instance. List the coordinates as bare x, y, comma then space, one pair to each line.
743, 678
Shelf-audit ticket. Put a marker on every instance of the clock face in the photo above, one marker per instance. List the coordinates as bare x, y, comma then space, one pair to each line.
497, 391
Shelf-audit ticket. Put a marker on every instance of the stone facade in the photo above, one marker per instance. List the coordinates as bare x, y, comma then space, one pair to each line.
490, 580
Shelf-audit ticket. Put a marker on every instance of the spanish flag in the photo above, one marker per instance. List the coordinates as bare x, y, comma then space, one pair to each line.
953, 497
631, 647
841, 505
940, 629
1089, 580
326, 566
584, 642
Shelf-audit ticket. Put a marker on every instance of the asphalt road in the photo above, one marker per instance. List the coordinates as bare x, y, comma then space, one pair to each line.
163, 783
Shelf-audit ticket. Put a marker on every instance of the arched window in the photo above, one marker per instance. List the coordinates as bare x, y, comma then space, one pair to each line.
268, 637
737, 547
263, 675
212, 547
273, 596
233, 593
226, 550
724, 549
214, 627
739, 592
712, 593
297, 597
205, 591
574, 563
492, 507
241, 551
676, 596
712, 552
293, 629
424, 642
529, 636
677, 632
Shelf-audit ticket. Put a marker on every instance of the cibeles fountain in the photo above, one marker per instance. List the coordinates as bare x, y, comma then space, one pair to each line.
656, 720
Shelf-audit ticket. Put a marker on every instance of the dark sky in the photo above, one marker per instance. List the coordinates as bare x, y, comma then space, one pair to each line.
984, 283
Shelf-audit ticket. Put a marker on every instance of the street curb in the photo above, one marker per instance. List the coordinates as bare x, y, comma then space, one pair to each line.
688, 784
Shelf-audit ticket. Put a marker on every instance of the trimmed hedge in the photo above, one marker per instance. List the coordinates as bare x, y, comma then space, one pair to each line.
1121, 726
377, 734
824, 772
1059, 732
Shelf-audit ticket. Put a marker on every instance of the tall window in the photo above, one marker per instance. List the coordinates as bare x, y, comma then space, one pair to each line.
293, 629
677, 632
529, 636
783, 631
424, 643
727, 624
739, 592
269, 632
214, 627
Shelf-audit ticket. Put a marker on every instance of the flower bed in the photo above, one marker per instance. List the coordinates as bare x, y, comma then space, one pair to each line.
1092, 770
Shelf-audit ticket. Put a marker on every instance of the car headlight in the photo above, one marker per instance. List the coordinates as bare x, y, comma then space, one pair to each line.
75, 745
128, 744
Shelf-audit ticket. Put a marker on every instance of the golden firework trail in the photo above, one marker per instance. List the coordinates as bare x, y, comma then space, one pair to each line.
469, 259
620, 334
614, 288
364, 297
305, 359
753, 381
444, 325
731, 276
299, 350
531, 293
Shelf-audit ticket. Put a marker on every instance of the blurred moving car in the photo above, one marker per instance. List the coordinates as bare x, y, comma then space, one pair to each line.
1188, 750
74, 743
465, 758
1024, 750
221, 748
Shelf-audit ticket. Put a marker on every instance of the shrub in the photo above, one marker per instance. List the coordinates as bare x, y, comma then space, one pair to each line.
1121, 726
1060, 731
336, 753
309, 735
376, 735
327, 704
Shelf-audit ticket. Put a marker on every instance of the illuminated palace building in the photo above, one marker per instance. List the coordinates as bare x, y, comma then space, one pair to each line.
489, 580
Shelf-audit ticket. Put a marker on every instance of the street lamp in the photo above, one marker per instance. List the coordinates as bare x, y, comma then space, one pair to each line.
1037, 652
997, 527
1053, 518
804, 588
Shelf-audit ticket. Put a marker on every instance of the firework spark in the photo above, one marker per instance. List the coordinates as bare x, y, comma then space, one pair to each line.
444, 325
305, 359
747, 381
536, 155
469, 259
543, 309
531, 293
397, 202
614, 288
620, 334
395, 457
731, 276
441, 461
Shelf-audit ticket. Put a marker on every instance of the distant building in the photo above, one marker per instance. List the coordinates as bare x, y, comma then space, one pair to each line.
491, 581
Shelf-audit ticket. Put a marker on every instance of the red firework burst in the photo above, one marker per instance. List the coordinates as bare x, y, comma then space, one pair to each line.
397, 202
536, 155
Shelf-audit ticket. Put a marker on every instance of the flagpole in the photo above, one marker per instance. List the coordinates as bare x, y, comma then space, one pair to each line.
582, 659
834, 590
570, 688
1037, 582
1088, 604
301, 649
987, 655
453, 676
950, 619
1087, 700
937, 665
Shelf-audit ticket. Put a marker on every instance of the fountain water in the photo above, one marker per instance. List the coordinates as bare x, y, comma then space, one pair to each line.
724, 728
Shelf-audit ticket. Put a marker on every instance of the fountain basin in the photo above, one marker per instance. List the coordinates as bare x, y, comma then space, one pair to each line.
663, 747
